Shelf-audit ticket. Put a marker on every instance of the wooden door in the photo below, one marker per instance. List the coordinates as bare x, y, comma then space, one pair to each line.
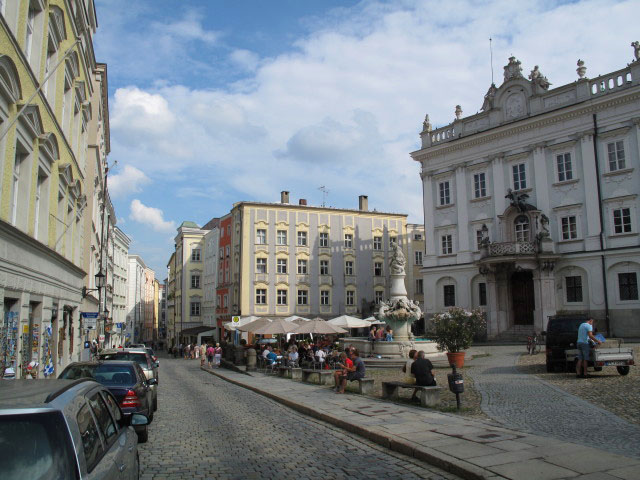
522, 298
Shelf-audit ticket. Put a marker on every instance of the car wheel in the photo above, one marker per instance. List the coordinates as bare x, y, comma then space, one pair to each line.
623, 370
143, 435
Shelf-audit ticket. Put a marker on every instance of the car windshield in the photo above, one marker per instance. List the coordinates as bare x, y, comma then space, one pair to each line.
35, 446
107, 374
565, 325
140, 358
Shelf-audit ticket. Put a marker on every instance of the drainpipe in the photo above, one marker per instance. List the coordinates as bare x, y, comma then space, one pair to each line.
602, 244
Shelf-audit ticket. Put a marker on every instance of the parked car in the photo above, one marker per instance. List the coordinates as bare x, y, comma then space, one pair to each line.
561, 335
125, 380
143, 359
71, 429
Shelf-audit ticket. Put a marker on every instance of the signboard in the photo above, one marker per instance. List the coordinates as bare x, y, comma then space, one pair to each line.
101, 338
89, 314
235, 319
90, 319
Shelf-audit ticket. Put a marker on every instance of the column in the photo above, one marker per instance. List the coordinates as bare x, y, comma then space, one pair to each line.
429, 222
464, 255
492, 305
499, 191
591, 204
541, 180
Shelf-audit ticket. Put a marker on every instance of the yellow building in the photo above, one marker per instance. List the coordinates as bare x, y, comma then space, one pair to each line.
46, 68
297, 259
171, 310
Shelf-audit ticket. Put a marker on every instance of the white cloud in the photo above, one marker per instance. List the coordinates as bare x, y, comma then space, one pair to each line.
129, 180
245, 59
150, 216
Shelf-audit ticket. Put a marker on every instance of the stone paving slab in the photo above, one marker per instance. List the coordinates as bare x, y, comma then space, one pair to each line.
473, 449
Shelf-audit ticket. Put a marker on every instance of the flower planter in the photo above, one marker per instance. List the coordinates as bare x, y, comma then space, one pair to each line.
456, 358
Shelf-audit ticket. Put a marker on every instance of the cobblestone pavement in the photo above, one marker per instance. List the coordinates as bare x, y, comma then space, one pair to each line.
525, 402
208, 428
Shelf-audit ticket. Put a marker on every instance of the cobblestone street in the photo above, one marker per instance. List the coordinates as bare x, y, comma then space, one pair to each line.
208, 428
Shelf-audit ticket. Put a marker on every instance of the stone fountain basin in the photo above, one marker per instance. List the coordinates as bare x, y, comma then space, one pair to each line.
395, 349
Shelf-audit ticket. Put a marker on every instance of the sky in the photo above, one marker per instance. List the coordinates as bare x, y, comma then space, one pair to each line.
213, 102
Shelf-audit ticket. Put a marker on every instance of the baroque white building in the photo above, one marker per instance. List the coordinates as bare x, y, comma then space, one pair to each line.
210, 283
120, 252
531, 206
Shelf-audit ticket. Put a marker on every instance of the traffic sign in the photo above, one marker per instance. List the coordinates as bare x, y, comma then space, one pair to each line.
89, 314
235, 319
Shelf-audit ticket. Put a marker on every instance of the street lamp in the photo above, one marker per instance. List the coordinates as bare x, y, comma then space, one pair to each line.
99, 285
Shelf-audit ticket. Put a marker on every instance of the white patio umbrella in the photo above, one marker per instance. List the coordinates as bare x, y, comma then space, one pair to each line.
319, 326
346, 321
374, 321
277, 327
296, 319
243, 321
253, 326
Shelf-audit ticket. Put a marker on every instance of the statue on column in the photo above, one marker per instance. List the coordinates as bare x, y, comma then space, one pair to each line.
397, 260
636, 50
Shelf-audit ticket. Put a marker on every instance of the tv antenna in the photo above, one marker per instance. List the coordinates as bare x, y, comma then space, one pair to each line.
325, 192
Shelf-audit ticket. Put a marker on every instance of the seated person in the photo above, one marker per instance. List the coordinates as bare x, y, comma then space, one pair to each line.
389, 335
266, 351
422, 369
293, 356
272, 357
355, 372
321, 355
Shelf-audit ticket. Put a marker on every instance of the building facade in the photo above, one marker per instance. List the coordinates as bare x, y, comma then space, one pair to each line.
531, 206
135, 300
296, 259
210, 278
150, 308
47, 88
224, 285
118, 308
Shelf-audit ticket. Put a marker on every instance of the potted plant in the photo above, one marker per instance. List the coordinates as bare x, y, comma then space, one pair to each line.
454, 330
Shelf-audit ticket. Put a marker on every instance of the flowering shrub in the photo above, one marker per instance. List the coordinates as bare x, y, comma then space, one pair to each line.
454, 329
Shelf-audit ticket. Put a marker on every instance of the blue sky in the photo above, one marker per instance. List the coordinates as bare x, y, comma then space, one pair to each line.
213, 102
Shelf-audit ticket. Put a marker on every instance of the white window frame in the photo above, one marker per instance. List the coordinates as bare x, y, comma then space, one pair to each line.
418, 257
282, 297
325, 297
261, 265
281, 237
566, 289
479, 185
519, 233
281, 266
631, 226
617, 159
350, 298
564, 174
378, 296
195, 280
261, 296
348, 267
565, 221
348, 240
446, 244
377, 243
375, 269
196, 255
521, 182
444, 193
303, 297
261, 236
198, 308
303, 266
322, 267
302, 238
324, 239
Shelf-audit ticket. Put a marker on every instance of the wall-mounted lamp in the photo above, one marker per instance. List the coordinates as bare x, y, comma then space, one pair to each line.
99, 283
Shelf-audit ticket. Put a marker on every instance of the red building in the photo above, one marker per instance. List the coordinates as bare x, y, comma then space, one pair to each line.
223, 292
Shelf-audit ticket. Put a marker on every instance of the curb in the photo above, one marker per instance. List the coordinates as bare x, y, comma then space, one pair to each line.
441, 460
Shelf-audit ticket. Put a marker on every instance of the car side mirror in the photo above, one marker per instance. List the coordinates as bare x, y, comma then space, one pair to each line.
152, 381
138, 419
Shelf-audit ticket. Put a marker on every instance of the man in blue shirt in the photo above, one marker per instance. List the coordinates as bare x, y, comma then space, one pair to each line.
585, 333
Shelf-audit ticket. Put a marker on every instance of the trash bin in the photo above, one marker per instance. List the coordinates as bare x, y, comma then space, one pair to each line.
456, 383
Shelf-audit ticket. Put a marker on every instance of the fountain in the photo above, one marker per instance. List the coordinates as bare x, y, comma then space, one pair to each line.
398, 313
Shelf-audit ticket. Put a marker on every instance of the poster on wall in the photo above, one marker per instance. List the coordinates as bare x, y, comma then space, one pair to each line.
8, 344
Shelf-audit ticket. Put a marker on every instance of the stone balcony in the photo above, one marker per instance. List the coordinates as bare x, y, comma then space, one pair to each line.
508, 249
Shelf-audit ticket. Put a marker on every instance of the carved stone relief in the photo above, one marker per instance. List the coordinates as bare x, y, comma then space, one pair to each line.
515, 106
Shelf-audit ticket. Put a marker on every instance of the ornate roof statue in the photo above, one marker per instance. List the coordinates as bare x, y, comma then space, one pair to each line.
636, 50
398, 261
538, 79
519, 200
488, 98
512, 69
458, 112
581, 70
426, 125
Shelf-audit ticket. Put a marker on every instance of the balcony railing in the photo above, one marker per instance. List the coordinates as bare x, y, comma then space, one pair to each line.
512, 248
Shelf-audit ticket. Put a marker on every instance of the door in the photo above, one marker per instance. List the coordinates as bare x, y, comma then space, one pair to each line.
522, 298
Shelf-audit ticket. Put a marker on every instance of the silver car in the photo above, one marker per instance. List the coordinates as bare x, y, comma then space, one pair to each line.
65, 429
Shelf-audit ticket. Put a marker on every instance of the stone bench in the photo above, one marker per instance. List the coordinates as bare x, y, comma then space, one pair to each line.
324, 376
429, 396
365, 385
290, 372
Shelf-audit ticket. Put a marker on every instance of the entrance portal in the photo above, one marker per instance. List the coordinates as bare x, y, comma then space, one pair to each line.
522, 298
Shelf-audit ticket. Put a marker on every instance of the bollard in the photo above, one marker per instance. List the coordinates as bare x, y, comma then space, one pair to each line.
239, 355
456, 384
251, 359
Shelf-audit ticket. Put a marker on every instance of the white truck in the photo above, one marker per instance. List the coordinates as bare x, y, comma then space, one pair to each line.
620, 357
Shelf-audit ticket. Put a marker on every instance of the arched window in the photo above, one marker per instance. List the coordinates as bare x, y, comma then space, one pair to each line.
522, 229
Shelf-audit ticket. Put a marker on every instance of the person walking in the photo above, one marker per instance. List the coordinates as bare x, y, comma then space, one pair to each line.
217, 357
585, 334
210, 354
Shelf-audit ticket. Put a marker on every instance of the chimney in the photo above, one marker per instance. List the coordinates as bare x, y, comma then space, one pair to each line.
363, 203
284, 196
302, 201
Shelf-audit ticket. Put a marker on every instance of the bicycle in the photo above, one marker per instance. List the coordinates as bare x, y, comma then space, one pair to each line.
534, 345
